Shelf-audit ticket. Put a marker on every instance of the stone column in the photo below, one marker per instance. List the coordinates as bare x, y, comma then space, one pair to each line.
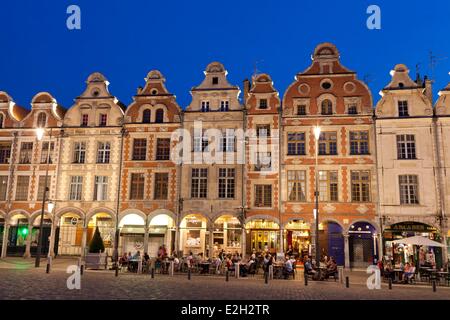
146, 230
5, 240
83, 242
177, 238
281, 250
28, 241
243, 243
51, 251
380, 246
346, 251
211, 241
444, 249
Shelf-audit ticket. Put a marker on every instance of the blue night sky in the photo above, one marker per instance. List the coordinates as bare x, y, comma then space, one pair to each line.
126, 39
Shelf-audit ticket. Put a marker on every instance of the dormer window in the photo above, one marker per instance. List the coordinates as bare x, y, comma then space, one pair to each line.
103, 119
327, 107
159, 116
205, 106
146, 116
84, 120
215, 80
403, 108
263, 103
352, 109
41, 120
224, 105
301, 110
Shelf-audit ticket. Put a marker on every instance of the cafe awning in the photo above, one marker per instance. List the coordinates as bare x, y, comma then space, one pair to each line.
419, 241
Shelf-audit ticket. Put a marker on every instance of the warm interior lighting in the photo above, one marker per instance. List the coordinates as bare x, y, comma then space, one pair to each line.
39, 133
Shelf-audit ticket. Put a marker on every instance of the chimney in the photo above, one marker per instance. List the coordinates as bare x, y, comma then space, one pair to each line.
246, 89
429, 89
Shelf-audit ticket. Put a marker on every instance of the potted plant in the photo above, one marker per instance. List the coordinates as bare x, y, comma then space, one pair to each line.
95, 258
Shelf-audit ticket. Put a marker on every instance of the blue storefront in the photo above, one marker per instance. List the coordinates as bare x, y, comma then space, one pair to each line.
363, 245
331, 241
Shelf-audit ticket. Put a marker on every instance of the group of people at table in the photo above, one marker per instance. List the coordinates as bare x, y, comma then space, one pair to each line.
405, 273
326, 268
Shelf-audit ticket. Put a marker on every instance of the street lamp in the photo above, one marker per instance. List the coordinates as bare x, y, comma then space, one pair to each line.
316, 194
40, 135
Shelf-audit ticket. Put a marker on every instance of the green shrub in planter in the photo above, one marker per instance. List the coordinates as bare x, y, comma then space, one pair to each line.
96, 245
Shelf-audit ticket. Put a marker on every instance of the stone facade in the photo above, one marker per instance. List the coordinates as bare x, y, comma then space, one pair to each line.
121, 169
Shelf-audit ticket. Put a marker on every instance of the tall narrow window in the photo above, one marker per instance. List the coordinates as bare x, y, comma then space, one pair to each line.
352, 109
41, 187
101, 188
328, 143
215, 80
328, 186
406, 146
296, 143
159, 116
146, 116
296, 185
79, 152
161, 191
103, 152
205, 106
139, 149
41, 120
1, 120
359, 142
23, 182
76, 188
201, 142
263, 104
224, 105
137, 186
263, 161
263, 195
84, 120
226, 183
3, 187
327, 107
409, 189
45, 152
26, 152
360, 186
227, 141
199, 183
163, 149
5, 152
263, 130
103, 120
403, 108
301, 110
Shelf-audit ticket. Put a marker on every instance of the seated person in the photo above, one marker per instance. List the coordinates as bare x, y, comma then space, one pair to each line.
331, 268
245, 268
308, 267
288, 267
389, 271
146, 257
408, 272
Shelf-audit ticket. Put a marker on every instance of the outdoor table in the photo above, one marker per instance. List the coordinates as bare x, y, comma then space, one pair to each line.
398, 273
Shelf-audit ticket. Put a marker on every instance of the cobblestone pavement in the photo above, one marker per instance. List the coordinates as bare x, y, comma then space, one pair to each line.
20, 280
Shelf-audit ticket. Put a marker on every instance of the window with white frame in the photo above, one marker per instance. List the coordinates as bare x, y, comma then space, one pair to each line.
201, 142
226, 183
76, 188
45, 152
101, 188
403, 108
103, 152
296, 185
227, 141
296, 144
26, 152
3, 187
360, 186
406, 146
22, 185
224, 105
79, 152
328, 186
205, 106
199, 183
409, 189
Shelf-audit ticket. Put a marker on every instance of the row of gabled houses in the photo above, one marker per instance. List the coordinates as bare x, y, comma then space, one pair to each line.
381, 170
